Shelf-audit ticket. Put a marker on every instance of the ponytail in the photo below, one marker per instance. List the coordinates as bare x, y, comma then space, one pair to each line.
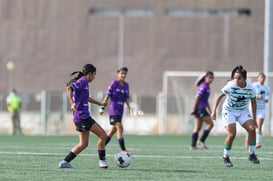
202, 77
79, 75
85, 70
239, 69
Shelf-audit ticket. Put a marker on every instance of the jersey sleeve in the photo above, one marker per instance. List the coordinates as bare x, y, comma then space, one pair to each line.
200, 91
226, 89
110, 89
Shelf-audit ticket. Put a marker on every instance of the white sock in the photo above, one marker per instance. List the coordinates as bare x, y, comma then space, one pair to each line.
226, 153
252, 149
258, 137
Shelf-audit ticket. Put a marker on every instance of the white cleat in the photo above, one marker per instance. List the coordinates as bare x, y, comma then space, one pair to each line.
103, 164
64, 164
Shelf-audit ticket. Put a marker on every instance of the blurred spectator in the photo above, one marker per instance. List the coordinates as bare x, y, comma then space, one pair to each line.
13, 105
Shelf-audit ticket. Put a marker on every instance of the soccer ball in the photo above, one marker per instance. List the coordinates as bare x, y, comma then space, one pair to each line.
122, 159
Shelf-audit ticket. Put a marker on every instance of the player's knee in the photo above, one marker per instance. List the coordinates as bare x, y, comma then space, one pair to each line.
231, 135
82, 146
119, 128
251, 129
103, 136
211, 125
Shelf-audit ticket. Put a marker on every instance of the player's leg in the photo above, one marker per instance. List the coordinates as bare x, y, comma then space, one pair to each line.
14, 128
251, 130
17, 122
83, 143
231, 134
120, 137
113, 130
97, 130
83, 127
246, 141
209, 126
229, 119
197, 126
260, 122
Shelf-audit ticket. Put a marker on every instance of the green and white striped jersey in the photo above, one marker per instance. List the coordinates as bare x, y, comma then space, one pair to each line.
237, 98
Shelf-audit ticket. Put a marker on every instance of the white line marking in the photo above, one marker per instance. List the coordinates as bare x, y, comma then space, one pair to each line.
138, 156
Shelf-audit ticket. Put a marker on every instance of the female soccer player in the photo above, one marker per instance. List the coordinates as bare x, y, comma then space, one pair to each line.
235, 109
199, 110
78, 96
262, 96
118, 92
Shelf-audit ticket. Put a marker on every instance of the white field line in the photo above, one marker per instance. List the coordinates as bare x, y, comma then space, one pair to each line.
138, 156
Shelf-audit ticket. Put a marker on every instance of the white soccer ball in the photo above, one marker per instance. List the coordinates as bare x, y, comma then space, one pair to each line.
122, 159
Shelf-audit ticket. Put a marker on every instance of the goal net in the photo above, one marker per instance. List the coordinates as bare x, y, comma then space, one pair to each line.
176, 100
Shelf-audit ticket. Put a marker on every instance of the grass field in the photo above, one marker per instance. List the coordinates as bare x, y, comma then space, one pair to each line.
161, 158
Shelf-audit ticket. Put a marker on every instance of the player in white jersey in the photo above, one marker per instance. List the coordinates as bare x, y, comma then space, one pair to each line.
235, 109
262, 97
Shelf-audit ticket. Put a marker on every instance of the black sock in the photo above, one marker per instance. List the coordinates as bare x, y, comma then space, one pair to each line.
108, 138
205, 135
70, 156
194, 138
101, 154
121, 143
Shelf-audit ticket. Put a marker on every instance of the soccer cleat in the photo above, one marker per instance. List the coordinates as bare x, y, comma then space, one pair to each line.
193, 148
64, 164
227, 162
130, 153
253, 158
202, 145
103, 164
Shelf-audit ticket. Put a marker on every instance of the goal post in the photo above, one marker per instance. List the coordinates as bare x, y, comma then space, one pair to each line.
176, 99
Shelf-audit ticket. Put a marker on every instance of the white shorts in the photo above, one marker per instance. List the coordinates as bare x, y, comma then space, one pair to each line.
230, 117
260, 113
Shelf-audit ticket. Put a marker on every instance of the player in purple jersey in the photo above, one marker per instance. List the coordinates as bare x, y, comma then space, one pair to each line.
78, 96
118, 92
199, 110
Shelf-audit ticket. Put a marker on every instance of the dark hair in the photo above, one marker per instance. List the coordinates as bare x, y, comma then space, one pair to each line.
239, 69
202, 77
125, 69
14, 91
85, 70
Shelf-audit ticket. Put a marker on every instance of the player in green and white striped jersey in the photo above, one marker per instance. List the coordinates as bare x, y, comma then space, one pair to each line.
235, 109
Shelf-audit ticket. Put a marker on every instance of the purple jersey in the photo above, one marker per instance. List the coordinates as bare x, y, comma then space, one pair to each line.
118, 94
80, 97
203, 93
